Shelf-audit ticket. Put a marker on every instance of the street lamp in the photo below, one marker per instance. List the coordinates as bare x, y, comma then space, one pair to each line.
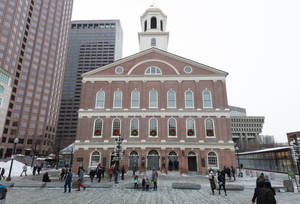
237, 154
16, 141
117, 155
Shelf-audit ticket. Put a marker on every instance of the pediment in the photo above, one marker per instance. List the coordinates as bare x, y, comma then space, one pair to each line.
168, 63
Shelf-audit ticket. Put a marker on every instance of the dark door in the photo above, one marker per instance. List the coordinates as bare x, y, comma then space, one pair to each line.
133, 161
192, 163
153, 160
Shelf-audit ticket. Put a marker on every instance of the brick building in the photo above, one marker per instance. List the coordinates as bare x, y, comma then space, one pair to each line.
172, 112
293, 135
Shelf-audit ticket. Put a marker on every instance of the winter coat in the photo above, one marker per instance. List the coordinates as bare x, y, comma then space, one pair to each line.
154, 176
263, 196
46, 178
2, 171
69, 178
81, 175
212, 181
221, 179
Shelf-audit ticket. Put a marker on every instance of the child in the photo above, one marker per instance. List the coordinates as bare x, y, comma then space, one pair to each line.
143, 184
136, 182
147, 184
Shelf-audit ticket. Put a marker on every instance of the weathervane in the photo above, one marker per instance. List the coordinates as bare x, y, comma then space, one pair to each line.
153, 4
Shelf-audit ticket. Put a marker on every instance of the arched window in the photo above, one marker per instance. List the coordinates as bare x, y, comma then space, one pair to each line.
189, 101
212, 159
95, 159
206, 97
145, 26
118, 99
134, 127
100, 98
98, 127
209, 126
172, 127
171, 99
116, 127
190, 126
1, 89
153, 127
153, 71
153, 42
153, 99
161, 25
135, 99
153, 23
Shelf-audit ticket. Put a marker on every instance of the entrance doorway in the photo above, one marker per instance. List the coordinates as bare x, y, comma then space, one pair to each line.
173, 161
153, 160
133, 160
192, 161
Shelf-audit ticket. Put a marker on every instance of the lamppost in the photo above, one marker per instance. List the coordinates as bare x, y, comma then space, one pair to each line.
295, 155
16, 141
37, 142
237, 155
117, 156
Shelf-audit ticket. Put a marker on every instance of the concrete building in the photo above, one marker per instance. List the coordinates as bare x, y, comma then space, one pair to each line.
92, 44
172, 112
5, 92
33, 44
245, 129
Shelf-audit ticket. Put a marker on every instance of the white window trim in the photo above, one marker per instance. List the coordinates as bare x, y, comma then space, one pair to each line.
186, 128
94, 129
155, 71
114, 105
168, 99
216, 167
138, 98
156, 99
149, 128
187, 155
112, 128
175, 128
210, 98
192, 99
213, 128
138, 129
118, 68
91, 158
97, 107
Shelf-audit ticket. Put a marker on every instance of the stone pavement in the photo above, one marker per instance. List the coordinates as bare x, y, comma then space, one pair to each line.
120, 194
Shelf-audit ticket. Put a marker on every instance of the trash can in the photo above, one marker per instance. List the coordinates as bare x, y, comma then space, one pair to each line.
3, 191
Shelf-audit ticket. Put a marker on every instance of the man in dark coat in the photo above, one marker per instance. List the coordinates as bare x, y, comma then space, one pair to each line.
99, 173
46, 177
221, 181
263, 195
122, 172
116, 173
2, 173
68, 181
233, 172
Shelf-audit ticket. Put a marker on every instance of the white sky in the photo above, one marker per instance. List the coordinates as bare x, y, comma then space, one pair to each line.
256, 41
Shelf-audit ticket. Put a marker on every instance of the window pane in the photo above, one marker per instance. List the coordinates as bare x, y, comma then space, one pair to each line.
209, 127
100, 99
135, 99
190, 127
172, 127
98, 127
116, 127
206, 99
171, 99
118, 99
134, 127
189, 99
153, 127
153, 99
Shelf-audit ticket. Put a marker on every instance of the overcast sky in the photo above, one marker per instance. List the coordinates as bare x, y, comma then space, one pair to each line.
256, 41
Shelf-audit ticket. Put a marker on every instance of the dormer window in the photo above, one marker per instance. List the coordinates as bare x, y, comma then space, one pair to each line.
153, 23
153, 71
153, 42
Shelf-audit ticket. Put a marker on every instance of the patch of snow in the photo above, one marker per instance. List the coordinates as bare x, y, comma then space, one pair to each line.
17, 168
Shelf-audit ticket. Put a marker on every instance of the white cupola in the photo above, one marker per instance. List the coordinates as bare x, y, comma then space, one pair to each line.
153, 23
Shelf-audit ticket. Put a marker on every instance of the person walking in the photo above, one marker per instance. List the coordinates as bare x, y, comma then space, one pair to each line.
34, 170
24, 170
263, 194
154, 179
211, 177
92, 174
221, 181
122, 172
99, 173
39, 168
103, 171
233, 172
110, 172
136, 182
80, 180
2, 174
68, 181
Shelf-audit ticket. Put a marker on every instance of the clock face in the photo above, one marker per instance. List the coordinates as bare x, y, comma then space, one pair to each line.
119, 70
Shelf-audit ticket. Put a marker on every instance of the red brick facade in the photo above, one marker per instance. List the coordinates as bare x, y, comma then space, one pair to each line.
191, 152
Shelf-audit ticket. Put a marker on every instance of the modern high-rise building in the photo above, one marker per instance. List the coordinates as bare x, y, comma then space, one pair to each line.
33, 48
92, 44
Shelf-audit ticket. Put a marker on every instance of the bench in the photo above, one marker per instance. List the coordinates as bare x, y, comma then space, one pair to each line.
188, 186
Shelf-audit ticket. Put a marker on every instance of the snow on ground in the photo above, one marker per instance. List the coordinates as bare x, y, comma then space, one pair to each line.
17, 168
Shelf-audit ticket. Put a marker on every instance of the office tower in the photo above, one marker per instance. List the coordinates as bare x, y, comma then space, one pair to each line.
92, 44
33, 48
